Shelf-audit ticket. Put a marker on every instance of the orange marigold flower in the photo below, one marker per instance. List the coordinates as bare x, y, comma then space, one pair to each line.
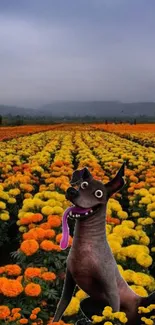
23, 321
11, 288
37, 217
33, 316
31, 234
45, 225
47, 245
29, 247
48, 276
15, 310
31, 226
16, 316
13, 269
2, 281
32, 272
58, 238
36, 310
54, 221
34, 323
4, 312
50, 233
25, 220
2, 269
41, 233
33, 289
20, 278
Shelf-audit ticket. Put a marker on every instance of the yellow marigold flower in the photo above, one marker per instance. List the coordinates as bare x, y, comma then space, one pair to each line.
47, 210
4, 217
108, 323
147, 321
135, 214
128, 223
81, 294
145, 221
142, 310
139, 227
115, 237
145, 240
152, 190
143, 192
22, 229
115, 246
97, 319
142, 279
152, 214
129, 275
121, 316
58, 210
153, 249
73, 307
144, 259
120, 269
14, 192
2, 205
107, 312
122, 214
12, 200
139, 290
145, 200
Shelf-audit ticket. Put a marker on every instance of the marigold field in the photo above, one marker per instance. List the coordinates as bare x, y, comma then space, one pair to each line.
36, 165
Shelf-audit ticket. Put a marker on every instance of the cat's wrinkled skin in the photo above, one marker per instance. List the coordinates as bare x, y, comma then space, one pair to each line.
90, 263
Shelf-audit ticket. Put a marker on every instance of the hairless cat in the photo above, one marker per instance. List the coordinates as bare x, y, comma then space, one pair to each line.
90, 263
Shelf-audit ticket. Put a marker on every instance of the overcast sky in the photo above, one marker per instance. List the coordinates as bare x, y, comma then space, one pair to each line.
76, 50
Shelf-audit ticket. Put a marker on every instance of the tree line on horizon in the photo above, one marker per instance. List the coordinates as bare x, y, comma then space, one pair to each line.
18, 120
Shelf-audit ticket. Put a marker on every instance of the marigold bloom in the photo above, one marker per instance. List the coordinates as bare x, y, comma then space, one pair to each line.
47, 245
50, 233
15, 310
4, 312
29, 247
11, 288
23, 321
33, 289
33, 316
13, 269
48, 276
36, 310
54, 221
32, 272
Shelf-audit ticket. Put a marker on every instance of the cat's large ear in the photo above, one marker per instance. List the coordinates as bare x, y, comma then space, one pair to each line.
116, 183
80, 175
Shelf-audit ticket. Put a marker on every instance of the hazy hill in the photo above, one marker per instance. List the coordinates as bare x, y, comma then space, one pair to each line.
79, 108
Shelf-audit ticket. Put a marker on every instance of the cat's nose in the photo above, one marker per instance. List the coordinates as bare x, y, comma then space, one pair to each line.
71, 193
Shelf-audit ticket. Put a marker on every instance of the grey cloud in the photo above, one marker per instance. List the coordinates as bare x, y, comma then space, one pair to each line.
51, 54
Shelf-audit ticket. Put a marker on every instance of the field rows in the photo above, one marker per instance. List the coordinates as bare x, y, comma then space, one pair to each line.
35, 171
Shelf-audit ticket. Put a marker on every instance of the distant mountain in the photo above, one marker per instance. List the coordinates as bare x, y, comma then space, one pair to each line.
13, 110
81, 108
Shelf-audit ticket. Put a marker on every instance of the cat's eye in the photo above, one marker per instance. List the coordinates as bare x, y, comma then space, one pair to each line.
98, 194
84, 185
